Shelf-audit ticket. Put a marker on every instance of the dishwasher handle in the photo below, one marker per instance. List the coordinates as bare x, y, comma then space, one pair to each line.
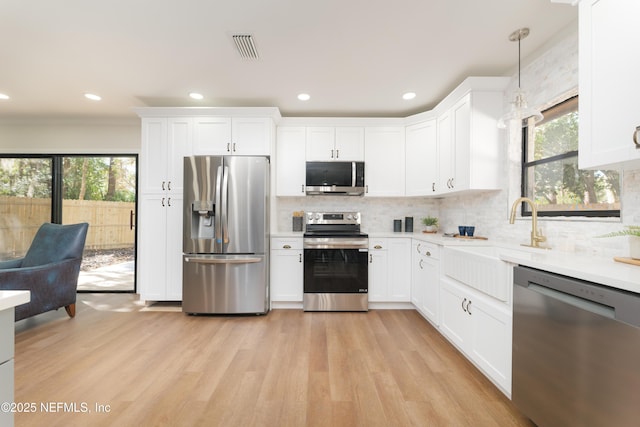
616, 303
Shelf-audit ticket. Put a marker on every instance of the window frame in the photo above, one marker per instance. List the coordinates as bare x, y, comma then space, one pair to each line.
525, 209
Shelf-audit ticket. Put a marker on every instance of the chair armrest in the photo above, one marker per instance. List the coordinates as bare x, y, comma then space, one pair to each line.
12, 263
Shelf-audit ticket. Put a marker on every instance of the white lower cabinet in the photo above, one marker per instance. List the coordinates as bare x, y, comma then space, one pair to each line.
480, 327
160, 248
286, 269
7, 347
389, 270
425, 287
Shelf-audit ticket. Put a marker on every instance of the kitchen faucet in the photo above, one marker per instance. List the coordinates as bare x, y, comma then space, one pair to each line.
536, 235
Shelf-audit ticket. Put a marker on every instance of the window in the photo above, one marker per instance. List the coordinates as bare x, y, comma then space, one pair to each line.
550, 174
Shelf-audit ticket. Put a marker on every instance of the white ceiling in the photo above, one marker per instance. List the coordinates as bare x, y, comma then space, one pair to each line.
354, 57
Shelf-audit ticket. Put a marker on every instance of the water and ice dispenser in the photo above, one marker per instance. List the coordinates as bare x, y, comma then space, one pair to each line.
202, 219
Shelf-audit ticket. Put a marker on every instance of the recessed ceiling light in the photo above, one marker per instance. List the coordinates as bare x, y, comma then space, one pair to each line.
304, 97
409, 95
195, 95
93, 96
3, 96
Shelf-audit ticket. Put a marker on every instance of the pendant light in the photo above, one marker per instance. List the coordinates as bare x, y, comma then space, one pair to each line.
519, 109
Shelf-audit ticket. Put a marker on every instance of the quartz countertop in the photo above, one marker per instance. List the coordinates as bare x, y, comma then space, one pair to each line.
600, 270
595, 269
9, 299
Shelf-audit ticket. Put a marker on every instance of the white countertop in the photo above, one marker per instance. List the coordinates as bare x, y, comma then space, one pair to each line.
9, 299
600, 270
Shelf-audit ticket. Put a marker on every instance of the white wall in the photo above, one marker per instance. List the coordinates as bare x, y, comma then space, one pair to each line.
67, 136
548, 77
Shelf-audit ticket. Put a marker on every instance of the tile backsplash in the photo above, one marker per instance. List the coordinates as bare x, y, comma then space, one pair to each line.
377, 213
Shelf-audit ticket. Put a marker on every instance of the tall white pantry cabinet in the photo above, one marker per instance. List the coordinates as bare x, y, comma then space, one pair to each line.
169, 135
165, 142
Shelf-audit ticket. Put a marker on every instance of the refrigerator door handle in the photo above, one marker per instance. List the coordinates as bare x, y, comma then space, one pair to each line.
225, 205
217, 221
234, 260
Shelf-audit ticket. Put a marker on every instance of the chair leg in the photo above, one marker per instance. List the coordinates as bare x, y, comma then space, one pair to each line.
71, 310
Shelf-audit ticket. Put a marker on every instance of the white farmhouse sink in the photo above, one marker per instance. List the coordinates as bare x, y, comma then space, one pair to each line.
479, 267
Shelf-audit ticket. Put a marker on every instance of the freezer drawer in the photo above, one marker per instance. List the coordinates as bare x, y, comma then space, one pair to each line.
225, 284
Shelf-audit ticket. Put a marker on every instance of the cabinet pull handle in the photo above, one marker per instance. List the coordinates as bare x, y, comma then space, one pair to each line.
299, 257
366, 188
469, 307
635, 137
332, 154
302, 188
370, 259
169, 201
433, 186
234, 147
452, 182
377, 247
286, 246
228, 147
337, 154
162, 202
418, 248
162, 185
169, 185
428, 253
463, 308
420, 264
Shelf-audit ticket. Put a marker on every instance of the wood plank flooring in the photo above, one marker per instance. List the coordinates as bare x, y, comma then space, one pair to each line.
288, 368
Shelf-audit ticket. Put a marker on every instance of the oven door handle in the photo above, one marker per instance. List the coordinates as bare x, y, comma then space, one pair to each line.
335, 246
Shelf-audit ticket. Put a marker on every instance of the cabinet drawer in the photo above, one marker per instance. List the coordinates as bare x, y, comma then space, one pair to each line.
286, 243
428, 249
378, 244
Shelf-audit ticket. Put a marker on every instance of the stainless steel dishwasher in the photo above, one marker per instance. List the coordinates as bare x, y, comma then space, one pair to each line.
576, 351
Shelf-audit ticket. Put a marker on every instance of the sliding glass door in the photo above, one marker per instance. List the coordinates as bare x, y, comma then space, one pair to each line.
25, 202
100, 190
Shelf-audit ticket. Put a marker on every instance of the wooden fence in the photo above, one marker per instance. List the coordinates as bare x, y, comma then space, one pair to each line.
20, 218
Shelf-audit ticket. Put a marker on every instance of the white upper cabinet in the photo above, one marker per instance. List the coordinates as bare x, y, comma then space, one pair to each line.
609, 115
421, 159
290, 161
232, 135
446, 154
335, 143
165, 141
384, 157
469, 143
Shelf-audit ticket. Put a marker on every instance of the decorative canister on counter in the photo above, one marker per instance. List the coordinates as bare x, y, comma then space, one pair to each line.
408, 224
297, 220
397, 225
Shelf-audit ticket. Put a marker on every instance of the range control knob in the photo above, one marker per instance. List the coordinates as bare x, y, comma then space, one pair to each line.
349, 217
318, 216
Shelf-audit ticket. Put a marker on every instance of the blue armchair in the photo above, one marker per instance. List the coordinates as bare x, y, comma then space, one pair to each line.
49, 269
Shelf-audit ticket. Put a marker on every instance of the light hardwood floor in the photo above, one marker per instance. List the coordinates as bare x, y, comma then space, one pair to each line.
288, 368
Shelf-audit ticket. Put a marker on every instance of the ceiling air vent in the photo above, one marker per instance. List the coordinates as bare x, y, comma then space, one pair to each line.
245, 45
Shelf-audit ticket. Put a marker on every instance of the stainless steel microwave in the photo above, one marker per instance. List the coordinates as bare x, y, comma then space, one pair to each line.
338, 178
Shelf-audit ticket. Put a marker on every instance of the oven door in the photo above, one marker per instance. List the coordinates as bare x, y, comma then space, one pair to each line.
336, 271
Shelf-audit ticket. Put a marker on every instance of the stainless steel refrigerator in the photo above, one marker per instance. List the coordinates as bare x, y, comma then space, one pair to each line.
226, 235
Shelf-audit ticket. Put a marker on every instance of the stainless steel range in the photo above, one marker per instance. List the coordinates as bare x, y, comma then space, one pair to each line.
336, 272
